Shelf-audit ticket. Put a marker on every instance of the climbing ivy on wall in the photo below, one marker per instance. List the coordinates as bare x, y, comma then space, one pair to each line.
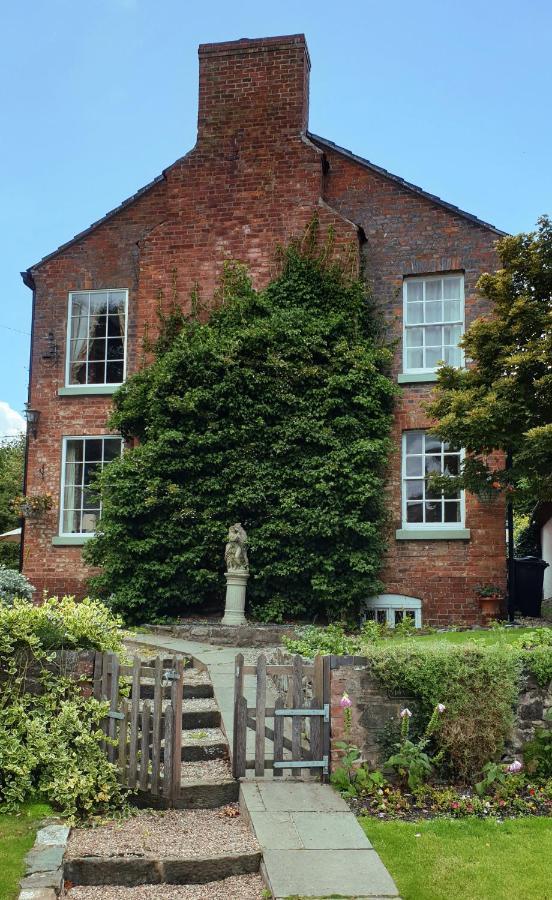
276, 413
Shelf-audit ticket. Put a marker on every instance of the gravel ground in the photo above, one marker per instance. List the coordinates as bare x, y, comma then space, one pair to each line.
242, 887
206, 770
170, 833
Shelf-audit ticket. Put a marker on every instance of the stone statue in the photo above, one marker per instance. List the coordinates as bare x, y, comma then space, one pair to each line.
235, 553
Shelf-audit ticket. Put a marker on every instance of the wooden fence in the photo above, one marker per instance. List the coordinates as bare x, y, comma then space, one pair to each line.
303, 696
145, 735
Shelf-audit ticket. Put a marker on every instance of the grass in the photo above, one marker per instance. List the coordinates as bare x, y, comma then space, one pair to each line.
492, 636
17, 834
468, 859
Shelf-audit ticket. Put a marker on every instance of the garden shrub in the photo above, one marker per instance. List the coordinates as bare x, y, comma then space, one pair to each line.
536, 652
13, 584
276, 413
50, 738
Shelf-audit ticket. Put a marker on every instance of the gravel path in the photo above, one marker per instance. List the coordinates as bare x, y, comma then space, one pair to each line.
206, 770
170, 833
242, 887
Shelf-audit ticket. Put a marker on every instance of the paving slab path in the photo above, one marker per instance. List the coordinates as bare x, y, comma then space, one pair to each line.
312, 843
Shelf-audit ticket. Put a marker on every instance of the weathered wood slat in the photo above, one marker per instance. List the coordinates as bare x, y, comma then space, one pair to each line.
278, 735
240, 731
278, 670
326, 699
123, 741
156, 727
177, 690
269, 732
315, 734
114, 705
145, 746
238, 694
297, 721
98, 664
260, 717
134, 714
168, 752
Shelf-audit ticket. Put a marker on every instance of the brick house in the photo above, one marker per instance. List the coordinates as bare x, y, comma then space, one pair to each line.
254, 179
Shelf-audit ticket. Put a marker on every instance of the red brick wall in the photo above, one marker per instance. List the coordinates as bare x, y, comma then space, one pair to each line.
253, 181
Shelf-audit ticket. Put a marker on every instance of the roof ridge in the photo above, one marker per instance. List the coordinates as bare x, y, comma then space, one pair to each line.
403, 183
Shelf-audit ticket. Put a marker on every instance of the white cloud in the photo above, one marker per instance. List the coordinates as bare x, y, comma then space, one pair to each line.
11, 422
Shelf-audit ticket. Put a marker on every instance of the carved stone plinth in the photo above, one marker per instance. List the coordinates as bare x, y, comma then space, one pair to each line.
236, 583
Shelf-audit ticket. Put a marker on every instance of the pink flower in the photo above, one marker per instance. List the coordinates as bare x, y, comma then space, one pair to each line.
441, 707
516, 766
345, 702
405, 713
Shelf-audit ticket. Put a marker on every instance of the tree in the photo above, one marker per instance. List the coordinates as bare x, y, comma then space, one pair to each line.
12, 456
503, 400
275, 413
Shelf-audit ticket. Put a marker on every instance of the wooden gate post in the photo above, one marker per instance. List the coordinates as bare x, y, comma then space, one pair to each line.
239, 741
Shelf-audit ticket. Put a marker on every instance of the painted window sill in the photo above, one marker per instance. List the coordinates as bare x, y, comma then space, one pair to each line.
432, 534
78, 390
71, 540
416, 377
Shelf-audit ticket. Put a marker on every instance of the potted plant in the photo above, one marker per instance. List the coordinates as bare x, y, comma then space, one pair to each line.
32, 506
490, 599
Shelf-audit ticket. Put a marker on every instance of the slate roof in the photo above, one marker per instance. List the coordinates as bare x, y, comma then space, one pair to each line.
324, 142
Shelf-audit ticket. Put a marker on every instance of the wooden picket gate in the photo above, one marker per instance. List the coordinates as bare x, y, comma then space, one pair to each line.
303, 695
145, 735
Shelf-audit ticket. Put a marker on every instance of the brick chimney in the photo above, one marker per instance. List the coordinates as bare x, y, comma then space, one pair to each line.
250, 86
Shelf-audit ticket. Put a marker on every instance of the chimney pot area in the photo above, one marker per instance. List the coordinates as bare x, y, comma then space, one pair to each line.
251, 87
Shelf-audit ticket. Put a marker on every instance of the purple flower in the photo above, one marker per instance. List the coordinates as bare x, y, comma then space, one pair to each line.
516, 766
345, 702
441, 707
405, 713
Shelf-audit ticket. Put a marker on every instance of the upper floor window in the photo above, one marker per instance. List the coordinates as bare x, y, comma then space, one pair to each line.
96, 337
83, 460
433, 322
423, 506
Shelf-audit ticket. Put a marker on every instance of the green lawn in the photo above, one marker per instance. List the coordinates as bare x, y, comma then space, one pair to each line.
492, 636
467, 859
17, 834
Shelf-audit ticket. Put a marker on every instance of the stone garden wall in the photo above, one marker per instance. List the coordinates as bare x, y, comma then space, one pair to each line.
374, 707
71, 663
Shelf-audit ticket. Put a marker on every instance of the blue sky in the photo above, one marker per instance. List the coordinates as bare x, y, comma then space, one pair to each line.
98, 96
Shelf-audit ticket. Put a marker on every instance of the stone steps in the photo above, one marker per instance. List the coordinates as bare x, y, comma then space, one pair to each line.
131, 872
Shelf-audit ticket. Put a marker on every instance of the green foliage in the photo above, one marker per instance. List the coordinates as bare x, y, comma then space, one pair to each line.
12, 456
504, 401
537, 753
411, 759
275, 413
494, 774
50, 735
353, 778
536, 653
12, 585
312, 640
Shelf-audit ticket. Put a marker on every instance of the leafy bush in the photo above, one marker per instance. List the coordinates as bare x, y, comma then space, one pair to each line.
412, 759
537, 654
50, 739
537, 753
13, 584
276, 412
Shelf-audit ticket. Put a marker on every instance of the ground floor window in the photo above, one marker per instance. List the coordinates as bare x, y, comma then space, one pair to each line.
83, 460
390, 609
422, 505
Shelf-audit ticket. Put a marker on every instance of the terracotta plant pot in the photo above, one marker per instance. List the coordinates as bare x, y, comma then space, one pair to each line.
490, 606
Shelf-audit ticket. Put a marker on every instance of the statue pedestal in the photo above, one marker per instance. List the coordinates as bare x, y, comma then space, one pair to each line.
236, 583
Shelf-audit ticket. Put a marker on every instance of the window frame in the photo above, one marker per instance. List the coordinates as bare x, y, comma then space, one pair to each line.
427, 526
78, 437
80, 388
435, 276
390, 604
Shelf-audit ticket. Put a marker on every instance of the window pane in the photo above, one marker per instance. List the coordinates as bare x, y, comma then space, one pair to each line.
115, 326
415, 490
98, 326
453, 356
381, 616
74, 451
93, 450
115, 348
414, 465
116, 302
414, 313
89, 520
452, 311
433, 335
114, 372
434, 355
414, 441
112, 449
414, 337
432, 444
414, 359
414, 512
72, 498
96, 373
90, 498
77, 373
433, 312
96, 350
414, 291
434, 289
79, 304
71, 521
98, 304
432, 464
452, 464
452, 511
452, 334
73, 473
451, 288
433, 512
399, 616
432, 493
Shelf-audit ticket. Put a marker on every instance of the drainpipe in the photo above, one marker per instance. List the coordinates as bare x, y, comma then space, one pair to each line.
28, 280
511, 562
